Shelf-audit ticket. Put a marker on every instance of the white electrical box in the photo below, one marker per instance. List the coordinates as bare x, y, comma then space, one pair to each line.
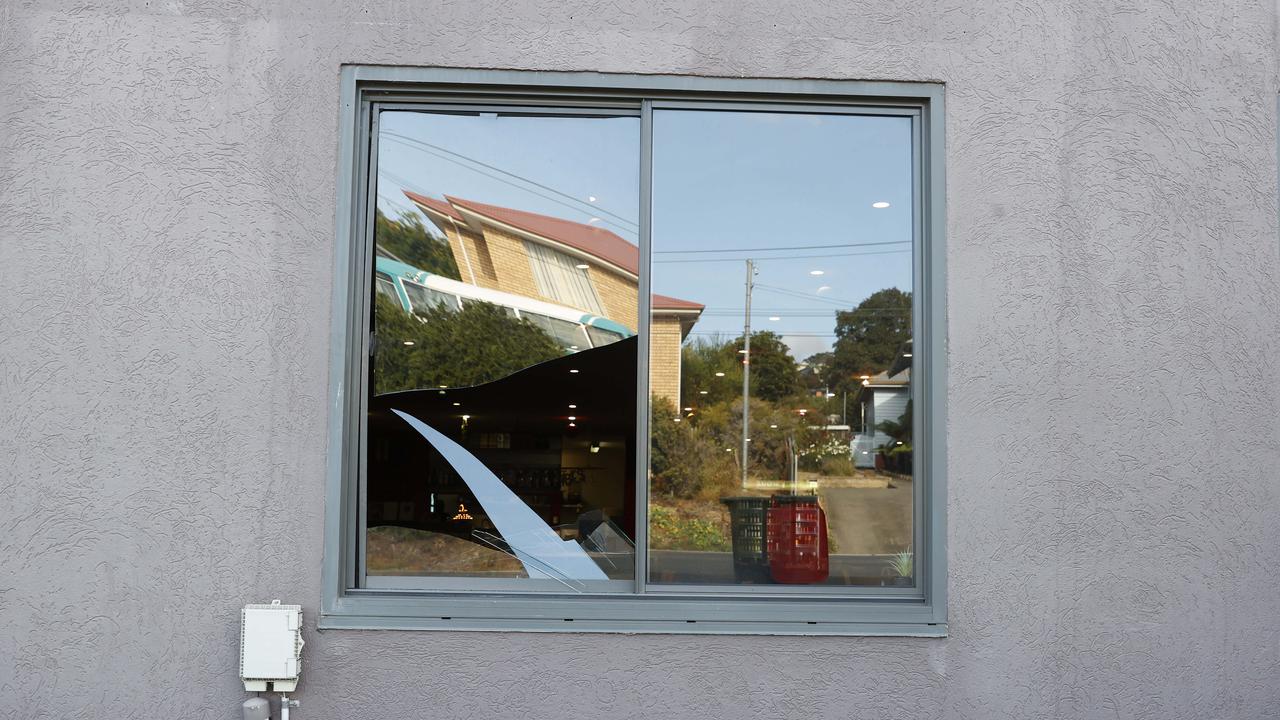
270, 646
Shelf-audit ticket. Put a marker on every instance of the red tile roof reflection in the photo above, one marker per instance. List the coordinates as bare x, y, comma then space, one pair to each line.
589, 239
439, 206
664, 302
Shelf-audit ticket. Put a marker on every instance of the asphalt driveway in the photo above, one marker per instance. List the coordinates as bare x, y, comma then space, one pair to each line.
869, 521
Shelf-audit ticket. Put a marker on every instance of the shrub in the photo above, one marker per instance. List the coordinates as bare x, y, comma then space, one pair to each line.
827, 454
672, 529
836, 465
685, 462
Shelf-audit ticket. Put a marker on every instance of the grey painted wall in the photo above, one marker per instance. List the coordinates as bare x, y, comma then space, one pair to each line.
1114, 295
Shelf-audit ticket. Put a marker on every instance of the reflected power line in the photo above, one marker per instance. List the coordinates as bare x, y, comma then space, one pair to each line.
788, 257
458, 158
781, 248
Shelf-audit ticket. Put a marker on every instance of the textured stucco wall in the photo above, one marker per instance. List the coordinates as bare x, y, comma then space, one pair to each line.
1113, 303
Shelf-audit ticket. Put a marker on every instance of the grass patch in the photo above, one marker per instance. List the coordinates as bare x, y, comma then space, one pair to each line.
688, 525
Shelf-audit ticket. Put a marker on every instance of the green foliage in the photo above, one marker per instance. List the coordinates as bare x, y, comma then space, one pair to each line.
455, 348
409, 239
814, 376
836, 465
670, 529
770, 454
666, 448
774, 375
902, 564
684, 462
719, 427
900, 429
869, 337
701, 359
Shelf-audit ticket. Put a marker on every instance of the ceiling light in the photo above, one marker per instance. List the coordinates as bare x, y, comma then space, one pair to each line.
574, 371
573, 417
408, 343
880, 205
573, 425
816, 273
773, 427
906, 354
457, 404
719, 374
441, 392
677, 419
702, 392
573, 407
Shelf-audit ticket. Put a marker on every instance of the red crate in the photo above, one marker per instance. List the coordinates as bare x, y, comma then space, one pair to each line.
797, 539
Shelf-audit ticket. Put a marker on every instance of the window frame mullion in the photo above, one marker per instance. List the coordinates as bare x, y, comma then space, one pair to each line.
643, 325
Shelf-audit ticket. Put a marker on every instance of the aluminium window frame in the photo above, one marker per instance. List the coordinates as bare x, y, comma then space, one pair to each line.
919, 611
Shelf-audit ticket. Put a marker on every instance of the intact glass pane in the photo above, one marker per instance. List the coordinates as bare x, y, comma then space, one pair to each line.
500, 444
561, 277
602, 337
421, 297
387, 289
781, 432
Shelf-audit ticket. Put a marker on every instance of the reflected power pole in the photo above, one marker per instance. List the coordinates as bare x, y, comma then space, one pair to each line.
746, 370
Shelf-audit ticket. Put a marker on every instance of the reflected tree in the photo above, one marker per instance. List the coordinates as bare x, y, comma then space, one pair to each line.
455, 348
814, 374
869, 336
774, 375
409, 239
687, 459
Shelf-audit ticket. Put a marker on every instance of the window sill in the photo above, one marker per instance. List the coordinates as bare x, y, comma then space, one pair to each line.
633, 627
632, 615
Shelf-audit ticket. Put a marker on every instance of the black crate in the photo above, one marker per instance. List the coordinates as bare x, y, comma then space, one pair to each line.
747, 528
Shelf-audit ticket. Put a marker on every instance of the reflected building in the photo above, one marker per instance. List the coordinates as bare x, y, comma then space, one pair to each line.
883, 397
573, 264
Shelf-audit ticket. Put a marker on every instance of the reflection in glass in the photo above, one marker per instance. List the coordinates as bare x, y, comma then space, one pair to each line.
501, 428
795, 232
